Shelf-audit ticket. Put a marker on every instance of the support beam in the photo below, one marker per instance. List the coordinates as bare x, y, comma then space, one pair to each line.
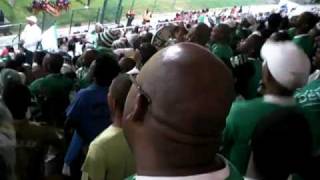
103, 10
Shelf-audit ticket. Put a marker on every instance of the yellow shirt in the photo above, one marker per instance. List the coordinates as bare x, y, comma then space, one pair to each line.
109, 157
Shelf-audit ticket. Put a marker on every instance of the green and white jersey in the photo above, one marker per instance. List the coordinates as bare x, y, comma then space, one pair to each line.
309, 99
305, 42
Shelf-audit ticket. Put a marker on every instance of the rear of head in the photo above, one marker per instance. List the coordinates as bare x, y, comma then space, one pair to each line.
17, 98
274, 21
281, 144
38, 57
221, 34
89, 56
286, 67
53, 62
280, 36
126, 64
178, 103
200, 34
305, 22
251, 46
118, 92
147, 37
147, 50
106, 68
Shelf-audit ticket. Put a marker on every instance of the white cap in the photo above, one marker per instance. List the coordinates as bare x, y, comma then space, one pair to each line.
287, 63
32, 19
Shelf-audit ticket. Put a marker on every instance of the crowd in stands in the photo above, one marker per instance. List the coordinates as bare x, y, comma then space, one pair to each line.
207, 96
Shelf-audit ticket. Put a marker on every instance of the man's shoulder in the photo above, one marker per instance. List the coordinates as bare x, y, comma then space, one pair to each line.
108, 138
246, 105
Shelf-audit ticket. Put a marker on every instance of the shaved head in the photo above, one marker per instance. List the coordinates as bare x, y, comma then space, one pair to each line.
180, 102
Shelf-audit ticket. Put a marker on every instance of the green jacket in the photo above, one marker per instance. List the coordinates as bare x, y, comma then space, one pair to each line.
305, 42
51, 85
223, 51
241, 122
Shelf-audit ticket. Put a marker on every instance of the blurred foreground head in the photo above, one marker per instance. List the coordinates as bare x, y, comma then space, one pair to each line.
178, 103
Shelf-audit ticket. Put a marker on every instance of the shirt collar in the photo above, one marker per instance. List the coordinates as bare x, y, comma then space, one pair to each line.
301, 35
280, 100
216, 175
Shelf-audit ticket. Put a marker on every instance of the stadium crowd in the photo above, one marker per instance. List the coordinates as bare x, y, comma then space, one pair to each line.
206, 96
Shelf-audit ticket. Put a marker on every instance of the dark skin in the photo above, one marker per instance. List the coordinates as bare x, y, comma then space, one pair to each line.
200, 34
221, 34
305, 22
89, 56
251, 46
191, 95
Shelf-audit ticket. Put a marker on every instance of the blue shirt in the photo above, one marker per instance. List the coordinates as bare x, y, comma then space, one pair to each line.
90, 112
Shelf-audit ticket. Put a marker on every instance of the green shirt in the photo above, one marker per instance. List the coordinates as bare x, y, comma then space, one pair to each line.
305, 42
51, 85
292, 32
223, 51
254, 80
109, 157
241, 122
248, 72
309, 99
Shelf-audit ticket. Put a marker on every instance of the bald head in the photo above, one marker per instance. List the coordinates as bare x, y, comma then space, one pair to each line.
190, 94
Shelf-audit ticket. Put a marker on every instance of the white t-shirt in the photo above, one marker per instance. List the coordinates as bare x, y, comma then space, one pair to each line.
31, 35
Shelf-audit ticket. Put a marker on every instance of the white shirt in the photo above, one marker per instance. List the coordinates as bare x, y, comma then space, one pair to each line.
31, 35
216, 175
280, 100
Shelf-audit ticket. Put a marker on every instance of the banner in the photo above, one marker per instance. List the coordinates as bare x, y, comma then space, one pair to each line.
50, 39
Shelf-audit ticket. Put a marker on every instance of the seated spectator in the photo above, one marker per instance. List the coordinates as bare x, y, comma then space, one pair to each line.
286, 68
199, 34
175, 132
247, 67
32, 140
7, 145
52, 91
281, 145
89, 112
109, 156
305, 22
221, 35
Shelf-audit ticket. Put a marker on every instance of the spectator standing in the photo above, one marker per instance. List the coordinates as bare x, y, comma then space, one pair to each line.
109, 156
130, 17
285, 68
89, 112
221, 36
188, 117
52, 91
30, 37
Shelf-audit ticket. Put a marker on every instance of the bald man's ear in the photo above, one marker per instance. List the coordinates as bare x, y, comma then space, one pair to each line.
140, 108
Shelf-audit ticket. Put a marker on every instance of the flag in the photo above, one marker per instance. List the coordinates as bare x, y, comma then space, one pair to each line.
50, 39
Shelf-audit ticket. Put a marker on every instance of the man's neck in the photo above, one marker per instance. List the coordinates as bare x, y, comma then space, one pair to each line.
116, 119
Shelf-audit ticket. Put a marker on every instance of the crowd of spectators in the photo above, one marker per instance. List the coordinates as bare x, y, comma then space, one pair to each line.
205, 96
